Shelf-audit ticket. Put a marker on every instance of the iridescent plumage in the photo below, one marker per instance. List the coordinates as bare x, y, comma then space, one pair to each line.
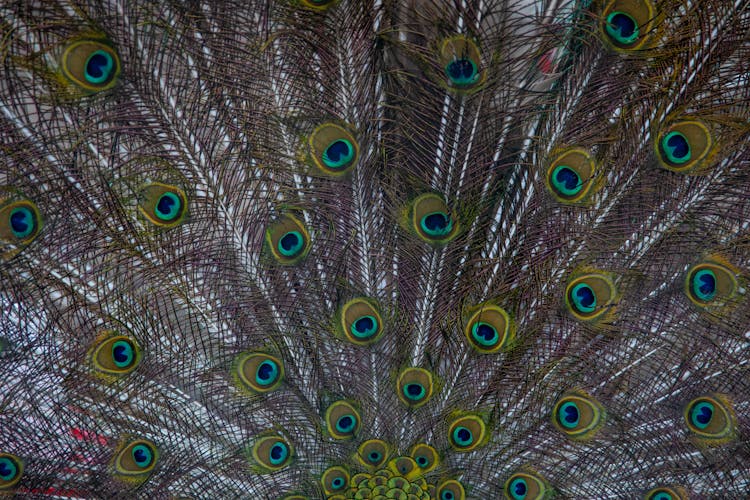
344, 249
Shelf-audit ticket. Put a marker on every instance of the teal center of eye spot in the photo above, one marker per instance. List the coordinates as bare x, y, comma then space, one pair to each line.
22, 222
346, 423
568, 415
168, 207
374, 457
364, 327
662, 496
447, 495
622, 28
338, 154
701, 414
583, 297
279, 452
99, 67
676, 148
436, 224
122, 354
414, 391
142, 456
566, 181
267, 373
290, 244
462, 436
337, 483
484, 334
704, 285
518, 488
8, 469
422, 461
462, 72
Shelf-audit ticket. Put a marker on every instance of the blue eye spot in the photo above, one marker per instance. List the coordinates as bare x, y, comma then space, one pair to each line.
701, 414
338, 153
122, 354
462, 436
484, 334
583, 298
291, 243
622, 28
566, 181
364, 327
704, 285
22, 222
662, 496
414, 391
142, 455
346, 423
676, 148
168, 207
518, 489
568, 415
279, 453
8, 469
267, 372
436, 224
99, 67
462, 72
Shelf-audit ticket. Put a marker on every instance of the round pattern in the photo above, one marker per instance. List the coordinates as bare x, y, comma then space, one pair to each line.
460, 61
11, 471
467, 433
288, 240
711, 420
583, 298
414, 386
462, 72
676, 148
136, 460
571, 176
622, 28
338, 154
332, 149
578, 416
22, 222
431, 220
123, 353
258, 371
142, 455
566, 181
526, 485
272, 452
342, 420
163, 205
114, 355
684, 145
90, 65
712, 284
359, 321
291, 244
589, 296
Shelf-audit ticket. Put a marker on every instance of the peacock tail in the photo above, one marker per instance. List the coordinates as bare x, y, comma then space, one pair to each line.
328, 249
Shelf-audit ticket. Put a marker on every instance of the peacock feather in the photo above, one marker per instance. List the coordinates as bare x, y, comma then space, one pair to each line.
327, 249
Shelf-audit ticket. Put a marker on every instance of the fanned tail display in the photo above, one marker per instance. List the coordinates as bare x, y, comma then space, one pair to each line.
329, 249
